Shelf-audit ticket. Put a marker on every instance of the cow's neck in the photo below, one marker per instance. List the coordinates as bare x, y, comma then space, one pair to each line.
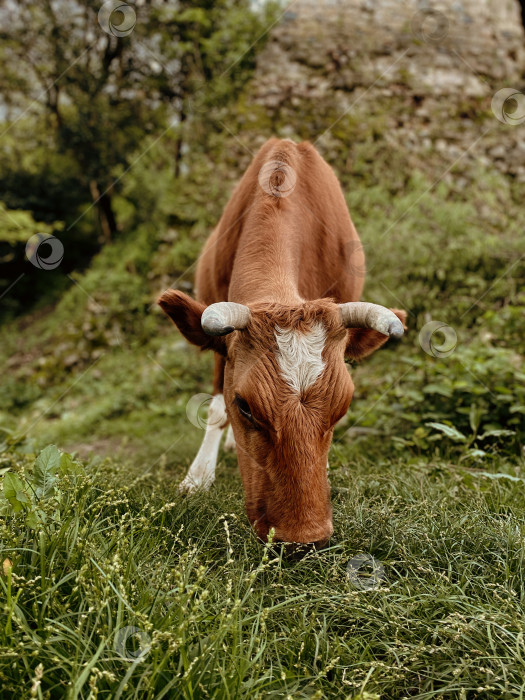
268, 262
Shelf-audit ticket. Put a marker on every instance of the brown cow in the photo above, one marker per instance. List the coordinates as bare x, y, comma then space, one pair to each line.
278, 281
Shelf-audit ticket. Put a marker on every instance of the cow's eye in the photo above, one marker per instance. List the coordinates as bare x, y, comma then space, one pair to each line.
244, 408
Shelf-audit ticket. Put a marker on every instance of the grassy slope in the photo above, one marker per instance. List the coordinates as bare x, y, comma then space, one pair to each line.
104, 374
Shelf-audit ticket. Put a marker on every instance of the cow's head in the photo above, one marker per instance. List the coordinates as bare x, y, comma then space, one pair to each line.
285, 387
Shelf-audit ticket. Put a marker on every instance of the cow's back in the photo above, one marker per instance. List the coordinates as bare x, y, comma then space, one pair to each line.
324, 243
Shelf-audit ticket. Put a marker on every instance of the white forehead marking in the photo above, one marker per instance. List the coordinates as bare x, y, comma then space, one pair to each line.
300, 355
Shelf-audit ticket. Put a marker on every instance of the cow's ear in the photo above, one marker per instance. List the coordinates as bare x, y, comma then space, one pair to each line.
362, 342
186, 314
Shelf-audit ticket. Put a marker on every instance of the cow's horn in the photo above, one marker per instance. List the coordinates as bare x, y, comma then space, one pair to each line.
224, 317
362, 314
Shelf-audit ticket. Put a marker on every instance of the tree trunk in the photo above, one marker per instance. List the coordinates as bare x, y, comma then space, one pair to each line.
178, 143
106, 216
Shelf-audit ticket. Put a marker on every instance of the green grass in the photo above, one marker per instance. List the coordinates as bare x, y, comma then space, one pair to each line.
219, 615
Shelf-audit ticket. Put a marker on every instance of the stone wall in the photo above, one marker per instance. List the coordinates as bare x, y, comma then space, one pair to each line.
444, 59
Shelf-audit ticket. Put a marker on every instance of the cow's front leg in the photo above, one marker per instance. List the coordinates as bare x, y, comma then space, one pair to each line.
201, 474
229, 442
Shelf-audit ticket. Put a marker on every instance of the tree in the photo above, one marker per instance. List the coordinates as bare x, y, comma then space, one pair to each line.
107, 78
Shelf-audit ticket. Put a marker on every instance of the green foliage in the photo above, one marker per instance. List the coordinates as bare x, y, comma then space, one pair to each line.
85, 105
18, 226
45, 189
476, 395
448, 255
36, 495
107, 94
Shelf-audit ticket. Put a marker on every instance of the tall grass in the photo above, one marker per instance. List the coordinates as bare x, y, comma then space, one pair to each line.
134, 591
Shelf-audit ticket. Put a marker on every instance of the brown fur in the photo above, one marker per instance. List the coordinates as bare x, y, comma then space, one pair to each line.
282, 256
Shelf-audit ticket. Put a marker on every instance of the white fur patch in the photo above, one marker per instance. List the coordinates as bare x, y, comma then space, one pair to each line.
300, 355
202, 471
229, 442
